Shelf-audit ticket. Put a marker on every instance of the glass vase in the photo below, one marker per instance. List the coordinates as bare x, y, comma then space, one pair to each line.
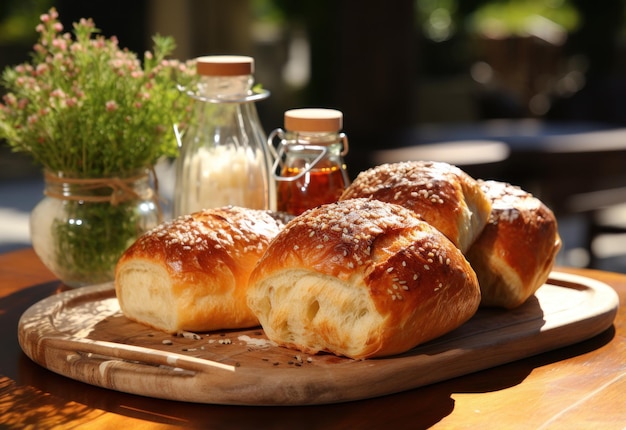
82, 226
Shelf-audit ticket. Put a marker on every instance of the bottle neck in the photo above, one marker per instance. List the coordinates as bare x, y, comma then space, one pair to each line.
226, 87
333, 140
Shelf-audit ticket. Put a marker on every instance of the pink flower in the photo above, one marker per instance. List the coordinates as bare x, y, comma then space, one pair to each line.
44, 17
111, 106
10, 99
60, 43
58, 27
41, 69
57, 93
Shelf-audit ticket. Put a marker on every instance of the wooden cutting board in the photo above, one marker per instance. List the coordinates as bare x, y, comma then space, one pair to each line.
83, 335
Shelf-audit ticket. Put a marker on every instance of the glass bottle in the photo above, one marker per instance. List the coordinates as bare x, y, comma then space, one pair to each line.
309, 168
224, 159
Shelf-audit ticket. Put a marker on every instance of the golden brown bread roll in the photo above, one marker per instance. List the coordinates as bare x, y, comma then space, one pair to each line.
442, 194
191, 274
515, 253
361, 278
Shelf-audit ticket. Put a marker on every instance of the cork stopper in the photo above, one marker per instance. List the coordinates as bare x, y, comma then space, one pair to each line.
314, 120
225, 65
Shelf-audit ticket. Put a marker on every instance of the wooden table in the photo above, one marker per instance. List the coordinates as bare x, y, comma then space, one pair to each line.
580, 386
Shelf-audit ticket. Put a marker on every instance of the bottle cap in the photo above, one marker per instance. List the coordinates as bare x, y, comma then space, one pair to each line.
224, 65
316, 119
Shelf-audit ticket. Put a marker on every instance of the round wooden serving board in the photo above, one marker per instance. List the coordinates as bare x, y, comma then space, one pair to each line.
82, 334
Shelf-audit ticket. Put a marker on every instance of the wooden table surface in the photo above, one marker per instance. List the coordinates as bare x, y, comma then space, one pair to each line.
582, 386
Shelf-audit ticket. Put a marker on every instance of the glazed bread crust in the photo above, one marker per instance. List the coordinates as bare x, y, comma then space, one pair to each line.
442, 194
361, 278
515, 253
192, 273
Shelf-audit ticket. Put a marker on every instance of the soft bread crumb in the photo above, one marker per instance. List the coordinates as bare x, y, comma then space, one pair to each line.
151, 298
301, 304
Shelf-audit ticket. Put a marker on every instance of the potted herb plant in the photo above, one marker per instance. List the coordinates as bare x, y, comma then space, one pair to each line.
97, 119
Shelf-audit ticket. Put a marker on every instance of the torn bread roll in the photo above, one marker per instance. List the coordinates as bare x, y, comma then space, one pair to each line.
361, 278
191, 274
515, 252
442, 194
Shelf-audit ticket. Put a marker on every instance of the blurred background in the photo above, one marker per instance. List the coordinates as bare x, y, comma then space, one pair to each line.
532, 92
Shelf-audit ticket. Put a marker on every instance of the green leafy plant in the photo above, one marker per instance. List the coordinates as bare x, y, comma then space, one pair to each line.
89, 108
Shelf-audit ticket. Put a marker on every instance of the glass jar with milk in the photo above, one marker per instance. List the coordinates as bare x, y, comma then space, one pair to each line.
224, 159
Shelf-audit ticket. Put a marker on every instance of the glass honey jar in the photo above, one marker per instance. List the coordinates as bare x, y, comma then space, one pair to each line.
309, 166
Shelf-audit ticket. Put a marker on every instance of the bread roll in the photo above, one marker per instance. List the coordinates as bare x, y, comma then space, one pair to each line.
442, 194
515, 253
361, 278
191, 274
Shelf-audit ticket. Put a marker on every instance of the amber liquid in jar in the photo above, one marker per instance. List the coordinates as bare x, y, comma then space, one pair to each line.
317, 187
